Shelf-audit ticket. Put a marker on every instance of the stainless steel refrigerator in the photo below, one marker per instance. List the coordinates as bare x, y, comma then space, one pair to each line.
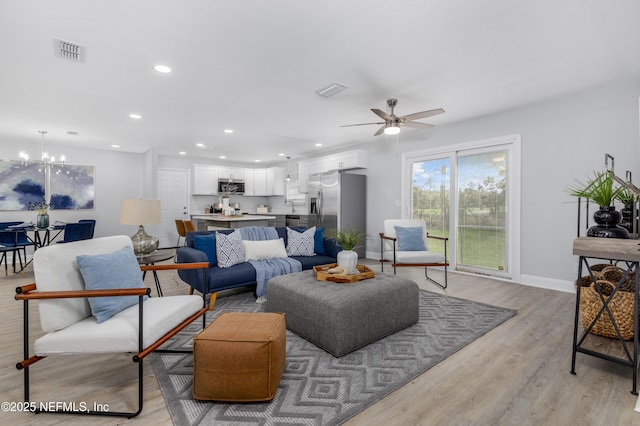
338, 201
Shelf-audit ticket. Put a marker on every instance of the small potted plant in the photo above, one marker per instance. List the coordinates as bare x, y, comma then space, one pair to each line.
603, 191
348, 240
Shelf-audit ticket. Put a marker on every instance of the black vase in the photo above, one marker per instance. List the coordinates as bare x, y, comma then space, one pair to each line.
627, 221
607, 219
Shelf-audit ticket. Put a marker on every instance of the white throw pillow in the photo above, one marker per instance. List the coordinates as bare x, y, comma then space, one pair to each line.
264, 249
229, 249
301, 243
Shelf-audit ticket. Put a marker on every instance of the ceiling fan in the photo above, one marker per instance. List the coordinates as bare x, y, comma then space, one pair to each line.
392, 123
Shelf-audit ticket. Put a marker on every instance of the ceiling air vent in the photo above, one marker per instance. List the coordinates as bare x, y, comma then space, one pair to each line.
68, 50
331, 90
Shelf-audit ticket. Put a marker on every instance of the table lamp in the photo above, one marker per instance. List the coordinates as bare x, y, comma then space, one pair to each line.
134, 211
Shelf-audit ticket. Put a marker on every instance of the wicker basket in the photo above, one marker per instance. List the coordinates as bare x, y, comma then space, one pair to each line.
613, 274
621, 307
599, 268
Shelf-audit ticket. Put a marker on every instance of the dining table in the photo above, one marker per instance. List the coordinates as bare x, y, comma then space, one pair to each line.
38, 237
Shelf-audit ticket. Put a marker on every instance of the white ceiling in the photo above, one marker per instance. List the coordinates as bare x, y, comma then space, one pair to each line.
254, 66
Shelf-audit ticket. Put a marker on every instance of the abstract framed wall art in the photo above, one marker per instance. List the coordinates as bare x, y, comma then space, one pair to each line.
20, 184
72, 187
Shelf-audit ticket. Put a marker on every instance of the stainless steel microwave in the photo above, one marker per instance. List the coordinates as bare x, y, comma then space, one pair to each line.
231, 186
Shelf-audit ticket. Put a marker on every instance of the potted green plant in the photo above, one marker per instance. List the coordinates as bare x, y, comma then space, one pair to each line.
603, 191
348, 240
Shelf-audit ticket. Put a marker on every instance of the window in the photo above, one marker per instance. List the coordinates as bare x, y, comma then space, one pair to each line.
481, 219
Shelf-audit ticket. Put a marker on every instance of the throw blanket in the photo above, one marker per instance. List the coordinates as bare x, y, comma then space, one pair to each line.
258, 233
268, 268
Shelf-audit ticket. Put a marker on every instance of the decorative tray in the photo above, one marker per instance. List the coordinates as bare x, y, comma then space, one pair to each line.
321, 274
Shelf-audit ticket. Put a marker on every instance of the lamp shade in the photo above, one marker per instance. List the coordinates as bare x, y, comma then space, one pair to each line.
135, 211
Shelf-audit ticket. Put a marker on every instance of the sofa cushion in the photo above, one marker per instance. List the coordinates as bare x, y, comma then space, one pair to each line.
309, 262
229, 249
207, 244
264, 249
109, 271
301, 243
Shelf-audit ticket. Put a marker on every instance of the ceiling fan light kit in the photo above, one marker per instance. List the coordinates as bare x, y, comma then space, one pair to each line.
392, 123
391, 130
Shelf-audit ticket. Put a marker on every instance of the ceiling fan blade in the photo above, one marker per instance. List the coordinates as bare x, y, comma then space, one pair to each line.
361, 124
380, 130
423, 114
382, 114
416, 125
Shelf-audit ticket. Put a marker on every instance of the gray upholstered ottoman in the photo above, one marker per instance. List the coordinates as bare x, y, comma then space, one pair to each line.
340, 318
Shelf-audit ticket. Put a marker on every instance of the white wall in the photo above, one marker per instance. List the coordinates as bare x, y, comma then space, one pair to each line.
117, 175
562, 139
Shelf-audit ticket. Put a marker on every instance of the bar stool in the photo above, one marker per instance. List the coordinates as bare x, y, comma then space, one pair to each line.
180, 226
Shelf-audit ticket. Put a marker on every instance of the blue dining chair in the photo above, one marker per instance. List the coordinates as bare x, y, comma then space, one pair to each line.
3, 258
78, 231
13, 242
93, 225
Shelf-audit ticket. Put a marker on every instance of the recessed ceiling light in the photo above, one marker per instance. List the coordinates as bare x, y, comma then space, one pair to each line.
135, 116
182, 153
200, 145
257, 161
281, 154
162, 68
222, 157
228, 130
318, 144
115, 146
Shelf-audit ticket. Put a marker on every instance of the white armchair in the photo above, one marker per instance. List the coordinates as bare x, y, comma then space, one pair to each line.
411, 247
67, 316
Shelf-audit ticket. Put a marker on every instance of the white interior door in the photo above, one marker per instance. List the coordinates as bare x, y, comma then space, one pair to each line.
173, 191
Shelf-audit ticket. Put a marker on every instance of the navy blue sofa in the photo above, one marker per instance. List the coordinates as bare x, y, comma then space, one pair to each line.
242, 274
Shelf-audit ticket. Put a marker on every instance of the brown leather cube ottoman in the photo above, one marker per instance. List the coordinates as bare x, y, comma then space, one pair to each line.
239, 357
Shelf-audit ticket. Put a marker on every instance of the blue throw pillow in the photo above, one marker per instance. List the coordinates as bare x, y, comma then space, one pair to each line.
318, 242
207, 244
410, 238
318, 239
116, 270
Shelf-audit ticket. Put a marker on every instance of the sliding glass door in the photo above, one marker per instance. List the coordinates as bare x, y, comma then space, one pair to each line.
467, 194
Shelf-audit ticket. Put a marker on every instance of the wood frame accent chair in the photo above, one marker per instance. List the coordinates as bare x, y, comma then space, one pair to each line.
66, 301
414, 251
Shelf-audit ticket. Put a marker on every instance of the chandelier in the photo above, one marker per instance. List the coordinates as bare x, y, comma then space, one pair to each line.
45, 158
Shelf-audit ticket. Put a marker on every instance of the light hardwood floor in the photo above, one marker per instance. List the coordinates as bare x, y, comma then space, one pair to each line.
517, 373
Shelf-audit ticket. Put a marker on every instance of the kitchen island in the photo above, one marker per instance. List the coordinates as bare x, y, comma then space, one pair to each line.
206, 222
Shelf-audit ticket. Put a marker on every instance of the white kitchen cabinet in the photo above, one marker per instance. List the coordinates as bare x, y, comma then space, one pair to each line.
355, 159
259, 182
264, 182
230, 173
307, 167
205, 180
275, 181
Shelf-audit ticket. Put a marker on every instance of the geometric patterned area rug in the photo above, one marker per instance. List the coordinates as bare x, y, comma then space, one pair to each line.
317, 388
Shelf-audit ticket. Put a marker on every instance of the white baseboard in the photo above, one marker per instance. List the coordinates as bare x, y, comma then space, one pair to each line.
548, 283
